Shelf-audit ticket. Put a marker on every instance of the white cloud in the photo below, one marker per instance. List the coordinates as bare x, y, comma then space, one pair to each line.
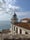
7, 7
4, 9
10, 1
8, 4
13, 7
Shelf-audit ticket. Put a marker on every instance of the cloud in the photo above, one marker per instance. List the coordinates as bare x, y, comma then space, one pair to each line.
6, 4
10, 1
7, 8
13, 7
4, 9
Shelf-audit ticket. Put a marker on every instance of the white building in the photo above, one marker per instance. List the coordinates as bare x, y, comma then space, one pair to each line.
19, 27
25, 20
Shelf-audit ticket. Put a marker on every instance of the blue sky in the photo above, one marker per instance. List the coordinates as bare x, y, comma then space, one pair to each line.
21, 7
24, 4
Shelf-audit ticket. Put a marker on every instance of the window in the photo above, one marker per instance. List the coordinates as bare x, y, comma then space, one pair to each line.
16, 30
20, 31
26, 32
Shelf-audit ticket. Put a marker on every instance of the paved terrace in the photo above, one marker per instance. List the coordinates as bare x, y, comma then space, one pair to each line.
10, 36
6, 34
18, 36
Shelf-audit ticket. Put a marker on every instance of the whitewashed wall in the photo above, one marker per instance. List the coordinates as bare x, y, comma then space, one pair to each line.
25, 21
23, 30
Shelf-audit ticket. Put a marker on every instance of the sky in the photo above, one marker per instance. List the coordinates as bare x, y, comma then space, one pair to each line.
21, 8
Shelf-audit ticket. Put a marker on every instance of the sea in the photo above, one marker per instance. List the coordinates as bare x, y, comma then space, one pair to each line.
4, 25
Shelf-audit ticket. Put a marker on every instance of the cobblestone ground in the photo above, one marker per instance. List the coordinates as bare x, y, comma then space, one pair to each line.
14, 37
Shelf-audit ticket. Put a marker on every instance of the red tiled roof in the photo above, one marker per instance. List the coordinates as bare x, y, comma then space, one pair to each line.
26, 19
24, 25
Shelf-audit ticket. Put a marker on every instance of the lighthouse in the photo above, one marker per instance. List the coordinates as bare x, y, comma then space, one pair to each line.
14, 19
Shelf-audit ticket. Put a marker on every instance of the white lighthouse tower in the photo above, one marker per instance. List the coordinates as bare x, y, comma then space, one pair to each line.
14, 20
